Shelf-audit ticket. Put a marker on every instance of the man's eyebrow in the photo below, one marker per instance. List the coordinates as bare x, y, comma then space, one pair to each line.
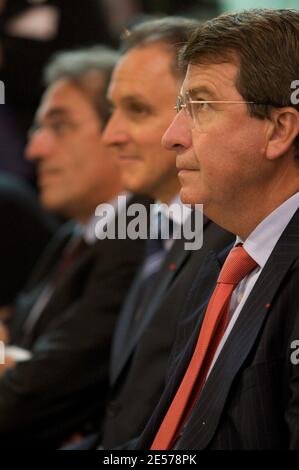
137, 100
57, 112
131, 99
53, 113
202, 90
128, 100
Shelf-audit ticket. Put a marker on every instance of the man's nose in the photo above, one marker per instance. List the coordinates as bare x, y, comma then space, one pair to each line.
178, 135
40, 145
115, 132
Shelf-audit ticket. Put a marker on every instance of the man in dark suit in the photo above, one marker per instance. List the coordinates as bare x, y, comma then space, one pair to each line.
233, 377
63, 321
142, 91
26, 230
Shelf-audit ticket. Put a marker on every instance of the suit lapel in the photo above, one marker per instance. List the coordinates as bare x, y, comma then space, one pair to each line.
189, 327
52, 254
125, 341
207, 412
123, 328
59, 293
91, 252
39, 279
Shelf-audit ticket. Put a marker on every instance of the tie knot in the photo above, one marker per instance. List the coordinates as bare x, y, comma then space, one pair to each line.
237, 265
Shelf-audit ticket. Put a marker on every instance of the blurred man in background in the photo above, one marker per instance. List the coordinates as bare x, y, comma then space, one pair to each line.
63, 321
26, 229
30, 32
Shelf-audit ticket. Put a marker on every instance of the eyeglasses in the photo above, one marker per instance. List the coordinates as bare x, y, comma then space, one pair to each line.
57, 128
198, 110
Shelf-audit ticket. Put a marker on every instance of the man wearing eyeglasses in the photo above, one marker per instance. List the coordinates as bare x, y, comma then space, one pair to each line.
56, 380
234, 376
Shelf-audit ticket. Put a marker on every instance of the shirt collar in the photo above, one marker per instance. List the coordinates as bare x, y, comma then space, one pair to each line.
175, 210
261, 242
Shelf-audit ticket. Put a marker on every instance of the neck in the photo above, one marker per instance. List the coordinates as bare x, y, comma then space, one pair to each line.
244, 221
84, 219
88, 212
166, 193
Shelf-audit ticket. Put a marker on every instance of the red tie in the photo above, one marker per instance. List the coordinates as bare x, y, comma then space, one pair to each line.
73, 250
237, 266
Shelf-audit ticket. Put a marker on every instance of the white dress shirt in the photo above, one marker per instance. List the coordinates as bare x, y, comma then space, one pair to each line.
176, 211
259, 245
88, 233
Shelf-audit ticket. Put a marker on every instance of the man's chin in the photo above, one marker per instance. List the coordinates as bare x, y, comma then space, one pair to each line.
188, 197
134, 185
51, 203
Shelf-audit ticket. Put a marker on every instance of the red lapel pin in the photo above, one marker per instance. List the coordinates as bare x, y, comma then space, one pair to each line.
172, 267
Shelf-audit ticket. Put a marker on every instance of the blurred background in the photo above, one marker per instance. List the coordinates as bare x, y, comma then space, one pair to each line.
32, 30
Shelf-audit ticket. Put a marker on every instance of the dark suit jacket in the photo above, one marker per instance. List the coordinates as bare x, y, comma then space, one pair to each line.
26, 229
251, 397
45, 399
141, 348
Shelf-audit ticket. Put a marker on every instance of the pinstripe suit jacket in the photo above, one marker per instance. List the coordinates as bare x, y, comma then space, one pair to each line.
251, 398
140, 351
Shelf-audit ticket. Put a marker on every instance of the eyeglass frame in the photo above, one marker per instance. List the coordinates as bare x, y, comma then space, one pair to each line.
184, 105
59, 127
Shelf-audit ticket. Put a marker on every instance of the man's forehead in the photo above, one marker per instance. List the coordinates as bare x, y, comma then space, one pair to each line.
142, 65
157, 53
50, 107
210, 79
51, 112
127, 90
61, 99
141, 85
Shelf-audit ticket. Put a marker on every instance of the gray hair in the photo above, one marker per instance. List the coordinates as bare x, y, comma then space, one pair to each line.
89, 69
172, 31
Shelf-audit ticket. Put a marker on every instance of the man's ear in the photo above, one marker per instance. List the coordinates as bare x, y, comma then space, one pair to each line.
282, 132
